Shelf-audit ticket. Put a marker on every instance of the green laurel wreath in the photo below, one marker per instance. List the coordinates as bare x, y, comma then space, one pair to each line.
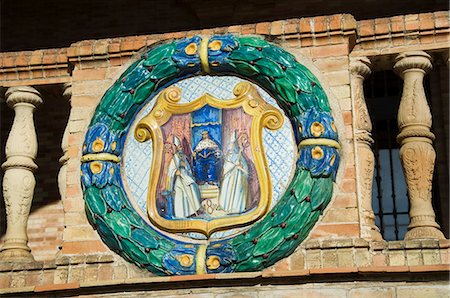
276, 236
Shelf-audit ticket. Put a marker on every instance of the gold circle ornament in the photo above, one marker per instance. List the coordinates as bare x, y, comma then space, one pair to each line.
317, 129
185, 260
191, 49
317, 153
96, 167
98, 145
215, 45
213, 262
113, 145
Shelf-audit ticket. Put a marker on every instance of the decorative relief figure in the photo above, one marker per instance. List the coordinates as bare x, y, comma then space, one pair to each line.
234, 192
181, 185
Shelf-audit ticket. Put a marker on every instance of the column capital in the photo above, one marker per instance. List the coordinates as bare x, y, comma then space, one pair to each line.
360, 66
67, 91
23, 94
413, 60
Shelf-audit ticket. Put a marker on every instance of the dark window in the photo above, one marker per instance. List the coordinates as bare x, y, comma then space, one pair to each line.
389, 194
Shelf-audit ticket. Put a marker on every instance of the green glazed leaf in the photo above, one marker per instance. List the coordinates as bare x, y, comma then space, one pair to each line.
253, 42
159, 53
119, 223
269, 68
272, 238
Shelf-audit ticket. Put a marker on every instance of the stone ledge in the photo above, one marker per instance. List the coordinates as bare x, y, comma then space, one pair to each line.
252, 278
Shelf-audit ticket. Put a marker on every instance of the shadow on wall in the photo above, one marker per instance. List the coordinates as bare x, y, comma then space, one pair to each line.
46, 220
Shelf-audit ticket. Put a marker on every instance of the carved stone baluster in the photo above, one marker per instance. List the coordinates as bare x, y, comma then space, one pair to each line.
62, 175
360, 69
416, 149
19, 181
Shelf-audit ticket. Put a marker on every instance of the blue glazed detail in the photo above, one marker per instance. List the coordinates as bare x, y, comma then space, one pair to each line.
328, 164
218, 59
102, 132
188, 63
322, 167
171, 261
306, 120
224, 251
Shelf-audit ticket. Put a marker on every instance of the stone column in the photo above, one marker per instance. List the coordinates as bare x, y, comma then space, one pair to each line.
62, 175
360, 69
416, 144
19, 181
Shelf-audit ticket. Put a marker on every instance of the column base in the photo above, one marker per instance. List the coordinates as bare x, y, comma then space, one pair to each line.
374, 234
424, 233
16, 255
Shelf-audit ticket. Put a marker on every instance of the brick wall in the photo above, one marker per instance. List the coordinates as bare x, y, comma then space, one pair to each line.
325, 44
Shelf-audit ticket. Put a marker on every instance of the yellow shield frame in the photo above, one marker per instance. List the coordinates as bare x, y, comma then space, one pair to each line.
263, 115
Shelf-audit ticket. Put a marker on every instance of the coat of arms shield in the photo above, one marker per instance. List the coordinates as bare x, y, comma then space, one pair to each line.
209, 172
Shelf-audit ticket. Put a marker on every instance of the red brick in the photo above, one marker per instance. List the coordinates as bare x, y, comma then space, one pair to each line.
344, 201
5, 280
105, 272
220, 30
441, 22
291, 26
306, 42
333, 270
338, 230
348, 22
22, 59
330, 51
263, 28
276, 28
101, 47
24, 75
114, 48
49, 58
87, 246
334, 22
248, 29
350, 172
301, 272
127, 45
282, 265
348, 185
234, 29
305, 25
89, 74
427, 39
428, 268
36, 57
85, 50
366, 28
397, 24
411, 25
57, 287
381, 26
347, 117
383, 269
379, 260
320, 24
426, 21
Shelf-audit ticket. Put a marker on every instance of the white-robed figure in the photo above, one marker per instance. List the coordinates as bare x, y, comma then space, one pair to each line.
234, 191
181, 184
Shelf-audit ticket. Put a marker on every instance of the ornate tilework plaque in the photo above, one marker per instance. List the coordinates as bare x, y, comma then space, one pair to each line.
210, 156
